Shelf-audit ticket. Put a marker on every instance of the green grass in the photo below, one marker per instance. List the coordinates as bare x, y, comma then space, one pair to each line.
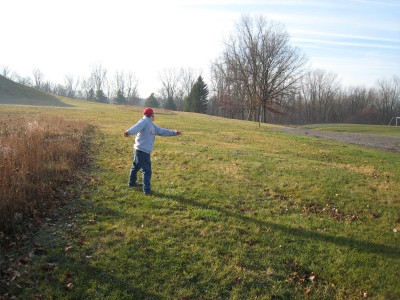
239, 212
356, 128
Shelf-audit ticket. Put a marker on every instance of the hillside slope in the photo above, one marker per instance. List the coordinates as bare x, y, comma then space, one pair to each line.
239, 211
15, 93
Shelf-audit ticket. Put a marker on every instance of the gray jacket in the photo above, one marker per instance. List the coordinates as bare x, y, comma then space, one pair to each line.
146, 132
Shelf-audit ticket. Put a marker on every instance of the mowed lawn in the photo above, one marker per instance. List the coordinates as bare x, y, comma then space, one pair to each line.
239, 212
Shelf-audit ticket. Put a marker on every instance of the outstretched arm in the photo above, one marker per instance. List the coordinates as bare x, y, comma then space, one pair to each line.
166, 132
135, 129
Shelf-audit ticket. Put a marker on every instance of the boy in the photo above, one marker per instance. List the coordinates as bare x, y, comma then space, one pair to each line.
145, 131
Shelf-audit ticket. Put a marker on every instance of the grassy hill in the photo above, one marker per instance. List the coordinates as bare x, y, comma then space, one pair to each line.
239, 212
15, 93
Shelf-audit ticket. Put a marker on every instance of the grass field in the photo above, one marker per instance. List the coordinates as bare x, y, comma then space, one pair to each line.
239, 212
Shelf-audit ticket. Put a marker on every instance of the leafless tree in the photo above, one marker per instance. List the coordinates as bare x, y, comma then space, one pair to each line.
70, 85
119, 81
87, 87
126, 84
261, 60
319, 90
98, 76
5, 71
38, 77
132, 88
176, 84
188, 77
357, 99
229, 93
389, 98
22, 80
169, 79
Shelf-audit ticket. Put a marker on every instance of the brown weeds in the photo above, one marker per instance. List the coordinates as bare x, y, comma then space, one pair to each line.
37, 158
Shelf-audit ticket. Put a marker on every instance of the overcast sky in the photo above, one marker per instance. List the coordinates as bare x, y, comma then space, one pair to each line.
359, 40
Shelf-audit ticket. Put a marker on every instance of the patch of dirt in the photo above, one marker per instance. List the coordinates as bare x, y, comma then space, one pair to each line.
389, 143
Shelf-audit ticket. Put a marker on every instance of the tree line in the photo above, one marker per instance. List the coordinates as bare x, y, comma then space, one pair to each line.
259, 76
181, 90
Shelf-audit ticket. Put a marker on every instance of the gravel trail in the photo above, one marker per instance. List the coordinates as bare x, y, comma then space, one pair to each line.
389, 143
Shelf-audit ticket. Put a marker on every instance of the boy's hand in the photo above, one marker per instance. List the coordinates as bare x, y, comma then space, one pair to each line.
126, 134
178, 132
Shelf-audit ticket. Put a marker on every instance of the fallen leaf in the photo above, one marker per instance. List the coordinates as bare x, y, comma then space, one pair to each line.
70, 286
12, 273
81, 241
47, 267
24, 259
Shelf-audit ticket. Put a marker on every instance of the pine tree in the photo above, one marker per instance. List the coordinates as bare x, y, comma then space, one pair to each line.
197, 99
100, 96
170, 104
91, 96
120, 98
152, 102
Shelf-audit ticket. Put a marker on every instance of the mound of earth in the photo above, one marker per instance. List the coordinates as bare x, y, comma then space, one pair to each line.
16, 93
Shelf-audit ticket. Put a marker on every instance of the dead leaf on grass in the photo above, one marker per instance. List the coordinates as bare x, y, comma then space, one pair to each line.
12, 274
24, 260
47, 267
70, 286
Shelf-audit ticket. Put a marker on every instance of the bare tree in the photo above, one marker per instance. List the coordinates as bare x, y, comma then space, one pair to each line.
22, 80
132, 89
98, 76
319, 90
70, 85
229, 93
389, 98
119, 82
87, 88
38, 78
263, 63
169, 79
5, 71
187, 78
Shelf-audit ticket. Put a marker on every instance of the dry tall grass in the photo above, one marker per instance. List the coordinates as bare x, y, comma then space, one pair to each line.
37, 157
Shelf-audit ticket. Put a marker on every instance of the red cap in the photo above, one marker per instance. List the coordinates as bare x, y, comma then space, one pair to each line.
148, 112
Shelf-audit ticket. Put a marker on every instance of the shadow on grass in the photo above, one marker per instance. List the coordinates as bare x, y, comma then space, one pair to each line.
368, 247
107, 285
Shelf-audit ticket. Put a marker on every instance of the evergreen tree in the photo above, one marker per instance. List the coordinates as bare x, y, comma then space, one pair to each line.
152, 102
91, 96
170, 104
100, 96
197, 99
120, 98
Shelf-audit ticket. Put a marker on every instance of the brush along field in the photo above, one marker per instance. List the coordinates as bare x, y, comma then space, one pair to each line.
239, 212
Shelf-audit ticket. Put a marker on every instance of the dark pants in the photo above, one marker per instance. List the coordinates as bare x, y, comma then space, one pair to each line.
141, 160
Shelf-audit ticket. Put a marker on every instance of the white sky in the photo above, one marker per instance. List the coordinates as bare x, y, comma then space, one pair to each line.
359, 40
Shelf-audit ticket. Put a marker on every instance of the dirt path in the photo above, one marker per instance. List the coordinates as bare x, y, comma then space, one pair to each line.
388, 143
